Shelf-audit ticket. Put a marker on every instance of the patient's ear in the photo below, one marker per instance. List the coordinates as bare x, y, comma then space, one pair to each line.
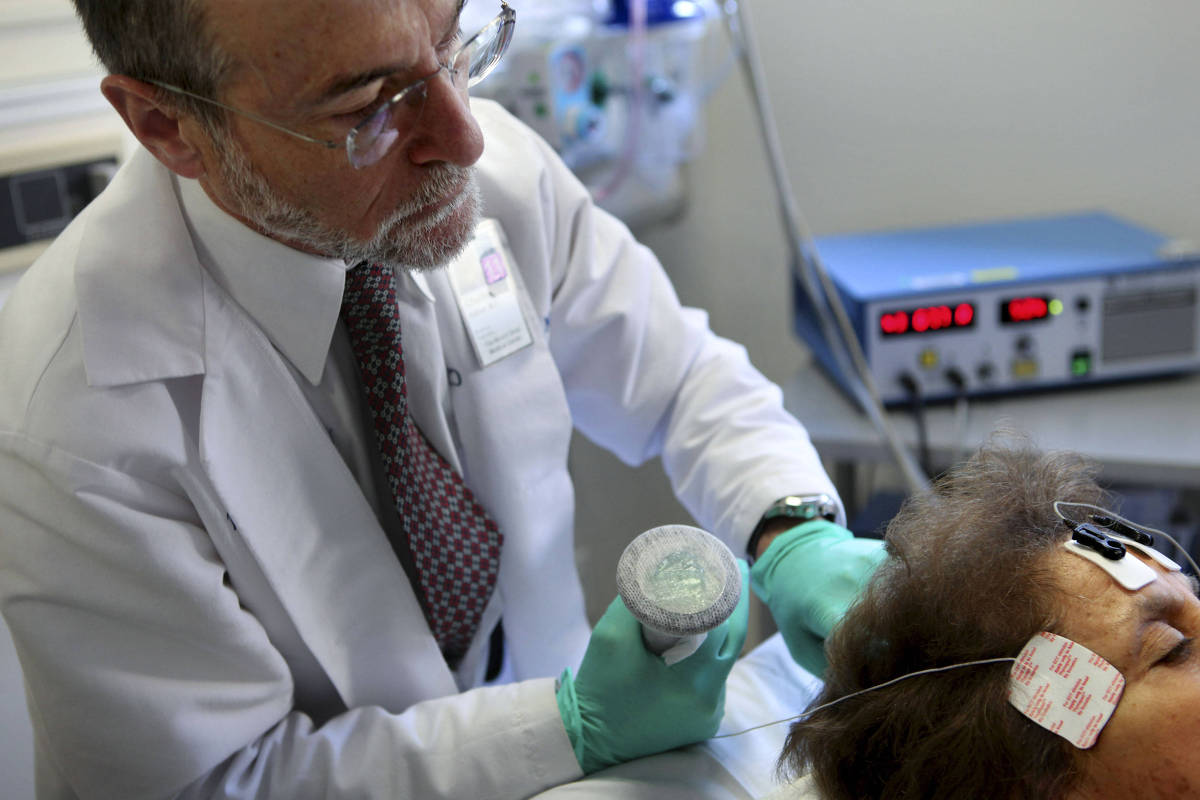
160, 128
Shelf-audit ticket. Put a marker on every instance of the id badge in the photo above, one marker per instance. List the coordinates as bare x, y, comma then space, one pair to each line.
487, 295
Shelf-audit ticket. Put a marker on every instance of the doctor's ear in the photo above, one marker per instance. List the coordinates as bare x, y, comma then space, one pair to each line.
161, 129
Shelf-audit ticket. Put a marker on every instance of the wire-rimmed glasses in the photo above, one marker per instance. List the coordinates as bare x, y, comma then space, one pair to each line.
392, 120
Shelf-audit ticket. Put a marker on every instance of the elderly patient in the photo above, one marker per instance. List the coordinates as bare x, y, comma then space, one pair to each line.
978, 567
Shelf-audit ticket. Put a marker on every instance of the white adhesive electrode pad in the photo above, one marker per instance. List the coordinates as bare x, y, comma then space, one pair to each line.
1131, 573
1065, 688
1149, 552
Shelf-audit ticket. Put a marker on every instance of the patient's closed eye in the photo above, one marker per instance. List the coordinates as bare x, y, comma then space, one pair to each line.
1181, 652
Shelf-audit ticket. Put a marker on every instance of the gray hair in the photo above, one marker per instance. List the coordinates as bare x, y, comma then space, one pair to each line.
160, 40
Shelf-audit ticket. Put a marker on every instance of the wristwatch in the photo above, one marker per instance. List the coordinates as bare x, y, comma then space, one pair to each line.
800, 508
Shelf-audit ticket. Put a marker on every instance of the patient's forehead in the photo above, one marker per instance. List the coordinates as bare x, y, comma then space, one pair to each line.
1090, 603
1105, 617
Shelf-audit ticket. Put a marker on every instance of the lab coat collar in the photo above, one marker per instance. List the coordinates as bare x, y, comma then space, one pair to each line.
422, 283
137, 325
157, 314
133, 324
295, 297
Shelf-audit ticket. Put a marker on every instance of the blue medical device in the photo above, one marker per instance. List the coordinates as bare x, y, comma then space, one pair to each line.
1011, 306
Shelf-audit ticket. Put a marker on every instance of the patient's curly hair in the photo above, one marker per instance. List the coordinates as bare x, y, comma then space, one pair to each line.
967, 578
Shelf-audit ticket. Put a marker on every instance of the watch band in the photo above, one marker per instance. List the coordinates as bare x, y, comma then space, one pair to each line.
801, 508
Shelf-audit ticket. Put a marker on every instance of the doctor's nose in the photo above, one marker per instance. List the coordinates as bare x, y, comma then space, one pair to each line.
447, 130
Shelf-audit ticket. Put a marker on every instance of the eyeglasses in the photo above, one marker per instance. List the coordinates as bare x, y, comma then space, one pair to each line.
392, 120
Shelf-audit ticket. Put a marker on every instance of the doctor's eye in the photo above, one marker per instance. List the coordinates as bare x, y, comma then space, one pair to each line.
362, 113
449, 47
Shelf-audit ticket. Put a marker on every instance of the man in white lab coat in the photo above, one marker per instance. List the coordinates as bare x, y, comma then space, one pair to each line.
208, 579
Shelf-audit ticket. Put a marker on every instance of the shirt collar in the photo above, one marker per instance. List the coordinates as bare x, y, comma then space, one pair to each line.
295, 297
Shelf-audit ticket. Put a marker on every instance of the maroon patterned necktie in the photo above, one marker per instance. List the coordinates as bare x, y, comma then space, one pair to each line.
454, 544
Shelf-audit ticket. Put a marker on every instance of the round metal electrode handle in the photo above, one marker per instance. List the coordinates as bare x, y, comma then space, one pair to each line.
678, 581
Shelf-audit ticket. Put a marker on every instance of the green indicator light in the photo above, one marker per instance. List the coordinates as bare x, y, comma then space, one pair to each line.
1056, 307
1081, 366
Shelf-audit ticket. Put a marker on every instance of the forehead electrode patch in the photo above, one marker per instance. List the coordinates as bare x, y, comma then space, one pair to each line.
1131, 573
1104, 538
1151, 553
1065, 687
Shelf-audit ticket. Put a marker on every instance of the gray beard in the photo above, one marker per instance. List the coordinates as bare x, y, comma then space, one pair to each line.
400, 242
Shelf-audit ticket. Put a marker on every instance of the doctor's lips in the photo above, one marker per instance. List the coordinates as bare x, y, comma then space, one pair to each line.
434, 195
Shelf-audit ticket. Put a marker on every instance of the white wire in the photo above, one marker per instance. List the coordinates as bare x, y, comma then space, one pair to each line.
1130, 523
636, 52
931, 670
883, 685
843, 341
717, 76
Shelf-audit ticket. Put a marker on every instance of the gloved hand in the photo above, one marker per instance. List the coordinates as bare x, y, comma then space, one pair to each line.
808, 577
627, 703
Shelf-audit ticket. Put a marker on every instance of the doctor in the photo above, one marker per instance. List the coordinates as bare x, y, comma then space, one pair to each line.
252, 542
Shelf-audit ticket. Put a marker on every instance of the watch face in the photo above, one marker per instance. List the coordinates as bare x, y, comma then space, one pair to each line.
798, 507
808, 507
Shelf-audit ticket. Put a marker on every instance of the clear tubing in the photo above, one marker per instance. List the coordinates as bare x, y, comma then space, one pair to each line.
637, 97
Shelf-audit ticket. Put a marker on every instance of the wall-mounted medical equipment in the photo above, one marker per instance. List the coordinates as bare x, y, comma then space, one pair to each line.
37, 203
59, 139
616, 88
1011, 306
48, 173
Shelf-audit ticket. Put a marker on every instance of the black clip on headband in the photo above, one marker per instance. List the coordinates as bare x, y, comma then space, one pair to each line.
1121, 529
1110, 535
1093, 538
1094, 535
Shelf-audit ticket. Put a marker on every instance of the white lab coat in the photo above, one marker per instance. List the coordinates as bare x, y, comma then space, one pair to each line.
199, 593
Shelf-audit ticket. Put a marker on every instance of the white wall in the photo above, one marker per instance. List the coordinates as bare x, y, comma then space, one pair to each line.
908, 113
40, 40
912, 112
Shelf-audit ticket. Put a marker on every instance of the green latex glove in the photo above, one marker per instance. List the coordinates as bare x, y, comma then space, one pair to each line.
627, 703
808, 577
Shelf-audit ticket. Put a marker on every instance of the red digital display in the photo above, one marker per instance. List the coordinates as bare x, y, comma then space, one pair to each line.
1024, 309
927, 319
